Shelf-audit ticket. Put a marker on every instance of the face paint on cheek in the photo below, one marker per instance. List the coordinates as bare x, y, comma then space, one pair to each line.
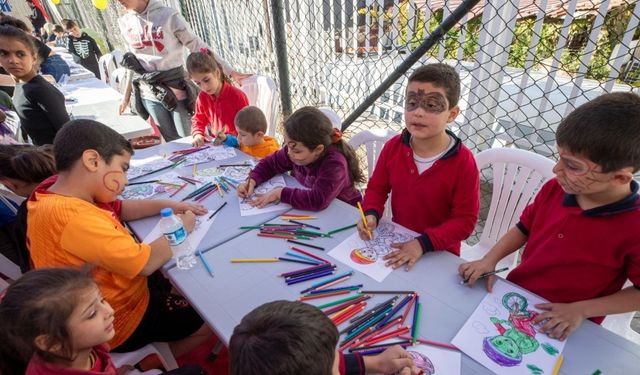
112, 181
432, 102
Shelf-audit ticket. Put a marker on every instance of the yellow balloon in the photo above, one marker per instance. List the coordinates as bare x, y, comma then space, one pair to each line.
55, 2
100, 4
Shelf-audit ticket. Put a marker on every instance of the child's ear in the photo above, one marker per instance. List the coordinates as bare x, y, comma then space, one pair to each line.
319, 149
623, 176
43, 343
90, 159
259, 134
453, 113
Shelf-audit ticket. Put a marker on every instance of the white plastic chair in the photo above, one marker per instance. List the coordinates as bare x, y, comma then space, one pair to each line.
9, 269
108, 63
262, 92
517, 177
373, 140
161, 349
620, 324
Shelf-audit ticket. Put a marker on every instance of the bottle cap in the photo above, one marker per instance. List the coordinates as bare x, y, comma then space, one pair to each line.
166, 212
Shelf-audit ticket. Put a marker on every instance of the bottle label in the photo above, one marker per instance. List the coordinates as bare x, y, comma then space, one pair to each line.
177, 237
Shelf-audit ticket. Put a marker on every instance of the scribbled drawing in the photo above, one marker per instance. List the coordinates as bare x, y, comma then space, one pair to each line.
489, 308
246, 207
143, 191
384, 235
422, 362
209, 172
210, 154
550, 349
535, 370
237, 173
136, 171
480, 328
517, 335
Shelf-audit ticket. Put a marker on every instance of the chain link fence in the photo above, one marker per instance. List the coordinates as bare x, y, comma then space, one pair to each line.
524, 64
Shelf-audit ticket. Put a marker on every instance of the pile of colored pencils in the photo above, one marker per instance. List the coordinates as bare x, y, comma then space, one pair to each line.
180, 155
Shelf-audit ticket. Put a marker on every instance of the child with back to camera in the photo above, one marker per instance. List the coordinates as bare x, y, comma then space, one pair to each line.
317, 157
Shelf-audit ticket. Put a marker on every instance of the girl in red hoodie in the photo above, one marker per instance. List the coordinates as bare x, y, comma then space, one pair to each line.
55, 321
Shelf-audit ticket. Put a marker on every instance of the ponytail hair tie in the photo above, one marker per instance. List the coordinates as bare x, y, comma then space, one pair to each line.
204, 51
336, 136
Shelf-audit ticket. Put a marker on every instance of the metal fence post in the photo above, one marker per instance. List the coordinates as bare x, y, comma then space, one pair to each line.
280, 41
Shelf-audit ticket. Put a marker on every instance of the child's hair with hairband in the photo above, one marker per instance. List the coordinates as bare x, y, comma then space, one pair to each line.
34, 317
203, 62
311, 127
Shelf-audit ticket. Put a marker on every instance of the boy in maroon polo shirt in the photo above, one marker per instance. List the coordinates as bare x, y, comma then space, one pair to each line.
432, 175
582, 232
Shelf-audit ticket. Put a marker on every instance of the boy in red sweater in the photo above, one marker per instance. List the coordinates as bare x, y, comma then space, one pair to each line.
432, 175
581, 231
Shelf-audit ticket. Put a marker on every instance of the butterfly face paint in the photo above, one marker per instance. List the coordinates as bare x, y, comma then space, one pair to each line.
433, 102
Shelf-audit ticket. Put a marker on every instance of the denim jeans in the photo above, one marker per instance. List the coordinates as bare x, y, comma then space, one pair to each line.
55, 66
172, 125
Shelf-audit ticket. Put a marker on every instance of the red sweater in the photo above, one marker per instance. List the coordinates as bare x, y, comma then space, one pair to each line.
216, 112
442, 203
574, 254
102, 366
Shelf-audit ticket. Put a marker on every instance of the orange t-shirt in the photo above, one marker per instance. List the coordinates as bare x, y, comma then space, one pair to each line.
67, 231
266, 148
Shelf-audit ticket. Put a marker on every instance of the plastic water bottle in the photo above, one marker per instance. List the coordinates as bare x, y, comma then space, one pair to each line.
173, 230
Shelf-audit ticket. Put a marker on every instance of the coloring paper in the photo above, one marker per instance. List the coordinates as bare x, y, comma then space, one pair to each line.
435, 361
209, 154
142, 167
146, 191
246, 209
500, 335
195, 237
366, 256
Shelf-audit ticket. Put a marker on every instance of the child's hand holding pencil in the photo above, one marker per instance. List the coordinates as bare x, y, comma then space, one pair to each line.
366, 225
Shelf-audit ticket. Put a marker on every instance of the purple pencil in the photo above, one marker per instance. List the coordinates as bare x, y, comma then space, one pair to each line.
309, 277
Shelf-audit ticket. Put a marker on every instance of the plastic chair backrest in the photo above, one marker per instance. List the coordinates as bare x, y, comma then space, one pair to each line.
108, 63
161, 349
373, 141
9, 269
262, 92
517, 177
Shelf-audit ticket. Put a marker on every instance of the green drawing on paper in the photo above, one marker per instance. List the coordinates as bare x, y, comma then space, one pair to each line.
517, 334
535, 370
550, 349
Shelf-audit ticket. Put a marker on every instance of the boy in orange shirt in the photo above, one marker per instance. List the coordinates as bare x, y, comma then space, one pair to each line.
74, 218
251, 126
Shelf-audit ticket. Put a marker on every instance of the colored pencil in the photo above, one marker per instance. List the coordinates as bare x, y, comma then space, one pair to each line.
351, 287
254, 260
204, 192
294, 260
352, 341
416, 322
234, 165
297, 218
178, 190
217, 210
375, 308
219, 190
341, 229
195, 169
308, 277
339, 293
311, 233
395, 310
275, 236
408, 309
556, 368
346, 304
176, 164
368, 323
364, 221
143, 182
189, 180
486, 274
322, 272
433, 343
306, 244
296, 215
386, 345
390, 292
205, 196
347, 314
375, 332
387, 336
325, 282
334, 282
308, 254
205, 263
337, 302
308, 269
303, 257
303, 224
197, 191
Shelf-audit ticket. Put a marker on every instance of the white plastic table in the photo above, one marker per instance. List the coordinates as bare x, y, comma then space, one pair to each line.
236, 289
